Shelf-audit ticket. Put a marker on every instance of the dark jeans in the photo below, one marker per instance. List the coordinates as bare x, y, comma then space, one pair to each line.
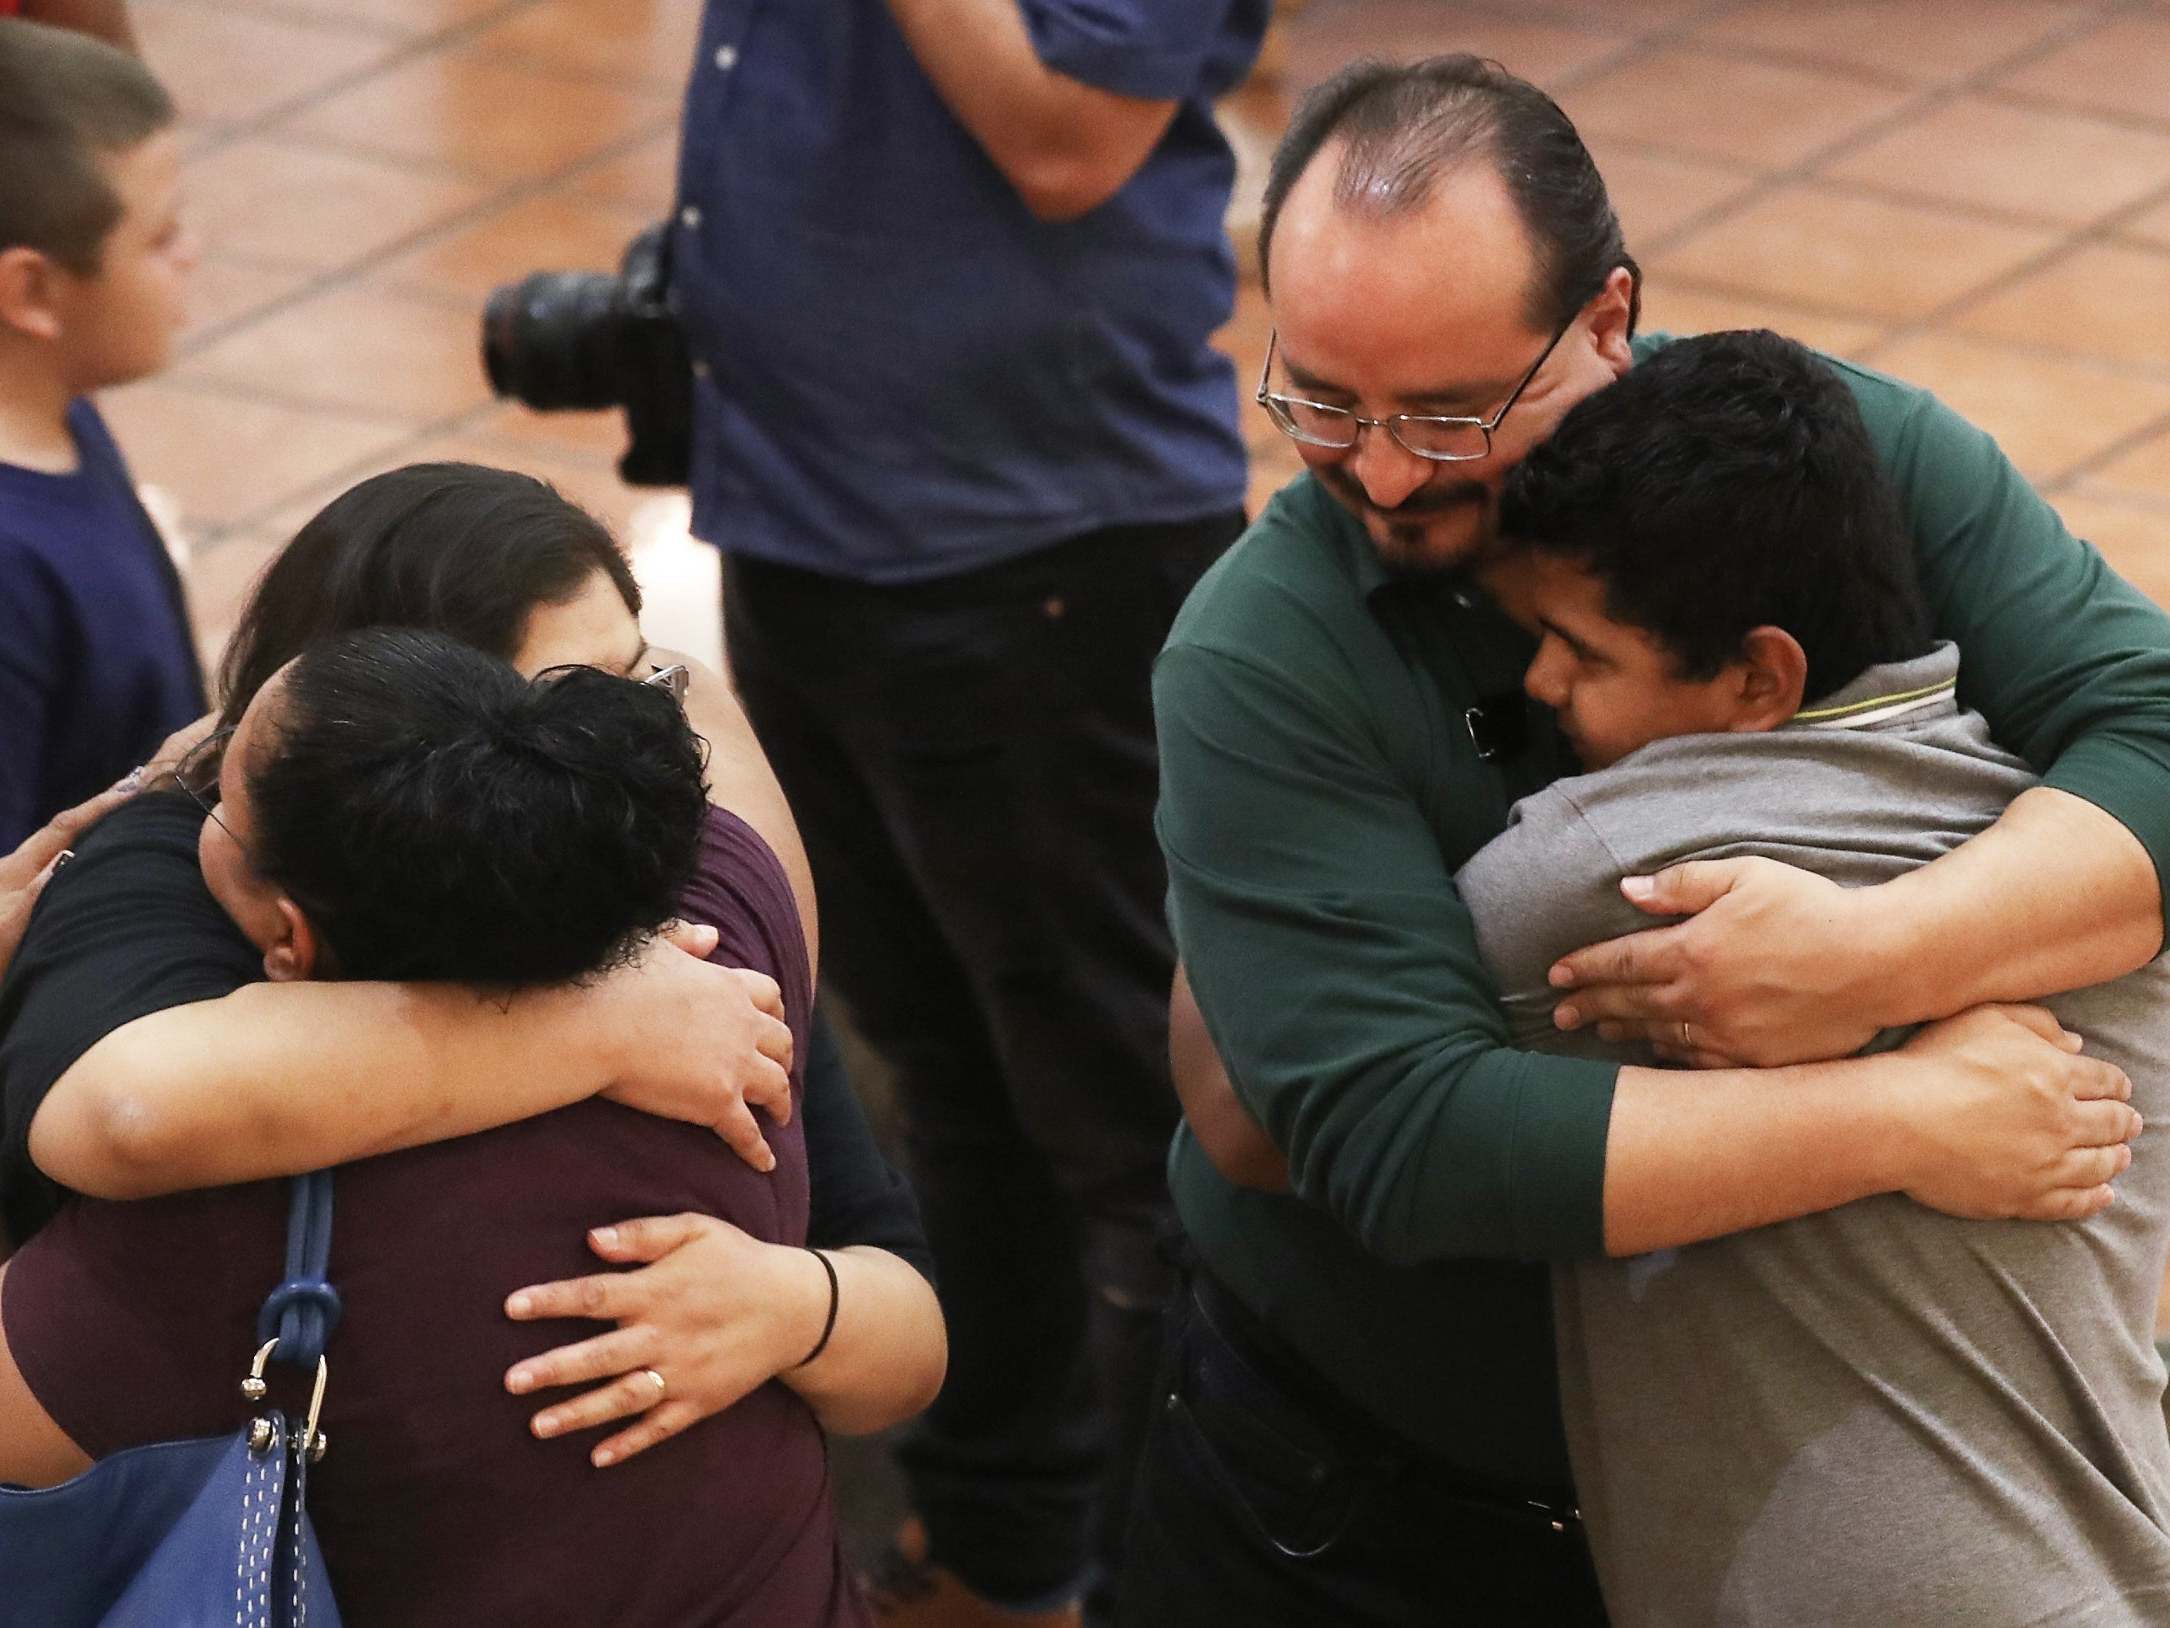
973, 767
1267, 1501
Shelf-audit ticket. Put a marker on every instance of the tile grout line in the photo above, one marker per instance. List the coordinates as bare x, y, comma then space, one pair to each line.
2030, 101
2027, 100
405, 44
402, 54
2066, 482
353, 271
339, 478
2138, 372
1745, 180
2101, 230
1926, 100
1634, 48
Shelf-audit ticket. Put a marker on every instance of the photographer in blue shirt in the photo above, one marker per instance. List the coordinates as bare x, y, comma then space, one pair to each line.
947, 269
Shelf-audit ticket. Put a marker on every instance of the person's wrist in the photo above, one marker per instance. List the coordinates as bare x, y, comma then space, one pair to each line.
801, 1294
1898, 1104
601, 1020
1887, 955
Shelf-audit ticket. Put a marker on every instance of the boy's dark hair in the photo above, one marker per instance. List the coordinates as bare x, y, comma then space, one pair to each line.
1408, 125
455, 548
440, 817
1727, 483
67, 100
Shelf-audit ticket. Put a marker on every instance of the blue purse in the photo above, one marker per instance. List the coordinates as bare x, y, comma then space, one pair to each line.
192, 1534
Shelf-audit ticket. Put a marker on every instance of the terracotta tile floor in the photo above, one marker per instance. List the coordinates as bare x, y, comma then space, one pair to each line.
1976, 196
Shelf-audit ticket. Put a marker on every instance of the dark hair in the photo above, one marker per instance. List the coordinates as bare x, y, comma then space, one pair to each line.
440, 817
1406, 126
65, 101
1727, 483
454, 548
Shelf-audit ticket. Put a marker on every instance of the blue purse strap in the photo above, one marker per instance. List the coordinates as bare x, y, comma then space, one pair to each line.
304, 1309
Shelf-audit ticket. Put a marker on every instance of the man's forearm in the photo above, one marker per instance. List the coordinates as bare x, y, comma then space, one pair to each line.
1697, 1156
1993, 1114
1066, 146
2056, 895
276, 1079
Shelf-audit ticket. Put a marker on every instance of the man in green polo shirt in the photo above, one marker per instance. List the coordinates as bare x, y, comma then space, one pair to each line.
1361, 1424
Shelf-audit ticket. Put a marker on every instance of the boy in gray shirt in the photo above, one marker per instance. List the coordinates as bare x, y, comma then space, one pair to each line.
1878, 1415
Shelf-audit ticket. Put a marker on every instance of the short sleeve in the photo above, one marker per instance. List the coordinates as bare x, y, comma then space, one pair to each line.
1543, 888
1153, 49
126, 929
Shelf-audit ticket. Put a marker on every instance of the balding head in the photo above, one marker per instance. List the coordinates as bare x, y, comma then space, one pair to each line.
1395, 133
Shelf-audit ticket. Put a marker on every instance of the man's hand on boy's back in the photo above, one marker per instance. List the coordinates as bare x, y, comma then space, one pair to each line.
1778, 966
1773, 965
2013, 1122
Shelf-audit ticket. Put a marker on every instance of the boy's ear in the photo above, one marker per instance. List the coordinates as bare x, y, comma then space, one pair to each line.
29, 292
1773, 672
292, 957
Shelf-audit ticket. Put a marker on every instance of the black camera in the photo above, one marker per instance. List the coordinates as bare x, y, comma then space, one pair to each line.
585, 339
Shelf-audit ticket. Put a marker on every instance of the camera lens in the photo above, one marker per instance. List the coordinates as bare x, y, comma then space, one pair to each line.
553, 340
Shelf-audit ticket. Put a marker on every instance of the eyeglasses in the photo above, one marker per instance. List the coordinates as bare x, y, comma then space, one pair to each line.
197, 774
673, 680
1443, 439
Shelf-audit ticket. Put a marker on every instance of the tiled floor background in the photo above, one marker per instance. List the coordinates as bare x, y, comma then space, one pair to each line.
1974, 194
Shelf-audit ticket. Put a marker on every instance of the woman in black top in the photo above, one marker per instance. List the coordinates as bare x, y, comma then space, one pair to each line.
132, 1072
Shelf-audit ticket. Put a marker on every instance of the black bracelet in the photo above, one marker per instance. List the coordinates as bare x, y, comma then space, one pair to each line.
828, 1328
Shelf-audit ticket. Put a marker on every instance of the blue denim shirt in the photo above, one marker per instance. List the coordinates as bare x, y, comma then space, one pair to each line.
902, 374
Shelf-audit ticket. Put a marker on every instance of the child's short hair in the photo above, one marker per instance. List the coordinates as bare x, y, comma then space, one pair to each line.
66, 100
1727, 483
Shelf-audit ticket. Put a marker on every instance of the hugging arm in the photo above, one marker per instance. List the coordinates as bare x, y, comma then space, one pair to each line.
1362, 1030
141, 1057
2071, 667
720, 1312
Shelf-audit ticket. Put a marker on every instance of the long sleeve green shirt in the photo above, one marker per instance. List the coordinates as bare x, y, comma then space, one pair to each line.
1321, 782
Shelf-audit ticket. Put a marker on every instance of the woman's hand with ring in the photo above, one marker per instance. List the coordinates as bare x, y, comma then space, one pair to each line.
714, 1308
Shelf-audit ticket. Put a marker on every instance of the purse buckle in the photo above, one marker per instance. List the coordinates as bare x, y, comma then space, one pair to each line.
262, 1432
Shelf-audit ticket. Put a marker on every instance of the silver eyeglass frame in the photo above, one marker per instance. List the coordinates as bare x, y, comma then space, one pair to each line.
1277, 407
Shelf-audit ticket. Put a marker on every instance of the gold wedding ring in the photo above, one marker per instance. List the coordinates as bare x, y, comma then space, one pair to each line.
660, 1386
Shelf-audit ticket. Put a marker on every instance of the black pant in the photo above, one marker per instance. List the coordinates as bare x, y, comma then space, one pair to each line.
1264, 1499
972, 764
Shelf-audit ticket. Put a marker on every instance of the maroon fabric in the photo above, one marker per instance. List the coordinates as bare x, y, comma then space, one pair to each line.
134, 1323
